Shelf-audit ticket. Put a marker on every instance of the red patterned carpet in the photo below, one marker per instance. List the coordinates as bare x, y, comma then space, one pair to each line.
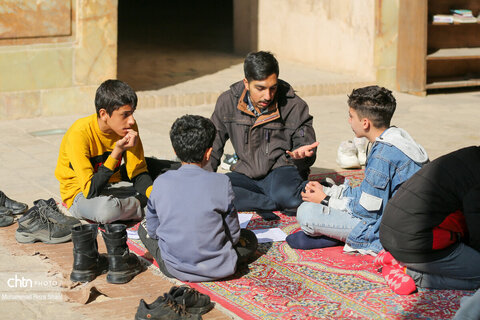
284, 283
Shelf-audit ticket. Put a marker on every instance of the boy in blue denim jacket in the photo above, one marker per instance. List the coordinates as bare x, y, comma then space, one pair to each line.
352, 215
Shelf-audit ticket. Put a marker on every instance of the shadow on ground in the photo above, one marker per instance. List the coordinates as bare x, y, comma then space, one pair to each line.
162, 43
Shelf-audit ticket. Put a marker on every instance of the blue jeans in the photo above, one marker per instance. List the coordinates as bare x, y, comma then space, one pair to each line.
458, 271
316, 219
280, 189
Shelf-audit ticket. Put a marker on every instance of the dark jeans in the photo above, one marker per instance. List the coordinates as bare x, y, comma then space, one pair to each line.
155, 167
152, 247
280, 189
457, 271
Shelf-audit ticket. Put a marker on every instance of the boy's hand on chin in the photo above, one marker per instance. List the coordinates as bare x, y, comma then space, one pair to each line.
132, 137
128, 141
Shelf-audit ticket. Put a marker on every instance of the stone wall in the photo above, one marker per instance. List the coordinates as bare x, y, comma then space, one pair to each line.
357, 37
386, 36
334, 35
54, 54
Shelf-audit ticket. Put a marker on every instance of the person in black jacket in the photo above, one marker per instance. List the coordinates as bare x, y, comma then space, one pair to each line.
432, 224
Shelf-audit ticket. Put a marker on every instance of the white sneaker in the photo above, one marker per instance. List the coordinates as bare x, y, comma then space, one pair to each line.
347, 155
361, 145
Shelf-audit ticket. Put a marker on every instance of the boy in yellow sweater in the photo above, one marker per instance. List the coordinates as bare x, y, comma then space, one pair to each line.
89, 166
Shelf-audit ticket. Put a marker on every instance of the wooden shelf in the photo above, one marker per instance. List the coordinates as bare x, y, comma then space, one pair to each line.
455, 54
453, 84
436, 55
453, 23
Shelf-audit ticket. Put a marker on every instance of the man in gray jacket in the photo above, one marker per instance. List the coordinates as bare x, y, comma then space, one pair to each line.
271, 131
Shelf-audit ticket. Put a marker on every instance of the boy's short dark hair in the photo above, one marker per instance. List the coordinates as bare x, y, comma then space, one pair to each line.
114, 94
191, 136
260, 65
374, 103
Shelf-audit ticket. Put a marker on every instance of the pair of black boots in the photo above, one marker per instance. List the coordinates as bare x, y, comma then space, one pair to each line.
121, 265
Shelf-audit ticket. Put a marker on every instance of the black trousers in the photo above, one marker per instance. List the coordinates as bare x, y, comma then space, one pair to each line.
152, 247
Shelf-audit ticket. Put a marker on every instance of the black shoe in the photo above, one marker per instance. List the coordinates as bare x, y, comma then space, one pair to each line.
289, 212
54, 213
327, 182
122, 265
35, 226
163, 308
6, 217
267, 215
87, 263
192, 300
5, 211
15, 206
246, 246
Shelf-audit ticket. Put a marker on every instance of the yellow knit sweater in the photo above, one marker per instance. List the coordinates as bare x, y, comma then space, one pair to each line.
84, 149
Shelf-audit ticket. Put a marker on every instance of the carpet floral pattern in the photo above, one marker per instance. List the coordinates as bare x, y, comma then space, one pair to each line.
284, 283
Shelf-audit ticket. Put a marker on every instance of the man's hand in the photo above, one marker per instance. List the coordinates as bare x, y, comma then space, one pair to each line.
313, 192
303, 151
127, 142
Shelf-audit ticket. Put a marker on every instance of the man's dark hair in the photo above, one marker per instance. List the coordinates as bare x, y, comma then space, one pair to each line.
374, 103
260, 65
191, 136
114, 94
